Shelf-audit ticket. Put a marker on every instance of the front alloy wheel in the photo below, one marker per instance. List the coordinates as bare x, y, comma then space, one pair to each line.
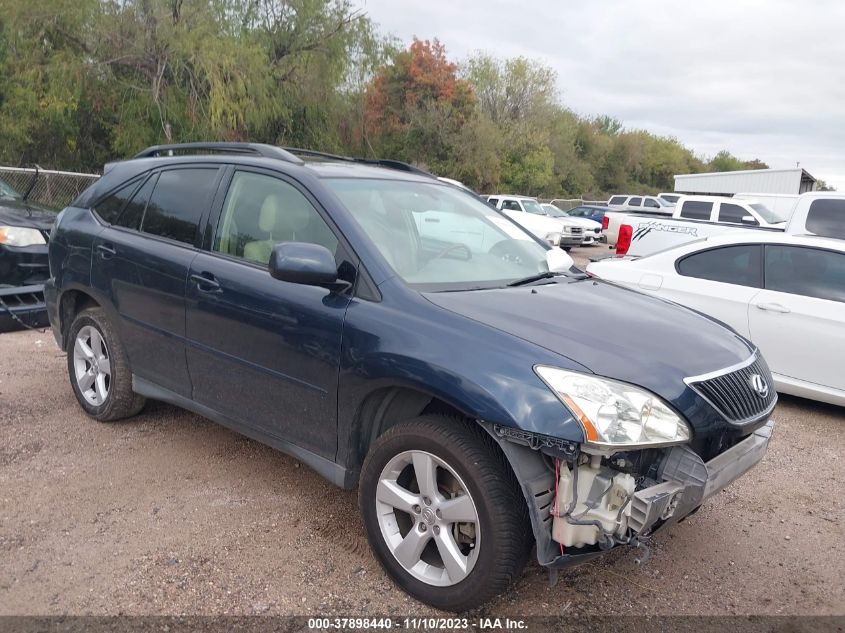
428, 518
443, 512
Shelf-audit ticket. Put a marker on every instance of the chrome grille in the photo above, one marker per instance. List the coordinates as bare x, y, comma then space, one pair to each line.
733, 395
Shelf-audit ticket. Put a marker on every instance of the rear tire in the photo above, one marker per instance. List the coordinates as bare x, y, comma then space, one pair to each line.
458, 540
99, 368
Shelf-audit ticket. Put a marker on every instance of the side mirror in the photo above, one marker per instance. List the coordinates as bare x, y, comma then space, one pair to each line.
306, 264
750, 219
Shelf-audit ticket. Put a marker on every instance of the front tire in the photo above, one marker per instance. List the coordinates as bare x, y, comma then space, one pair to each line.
443, 512
99, 368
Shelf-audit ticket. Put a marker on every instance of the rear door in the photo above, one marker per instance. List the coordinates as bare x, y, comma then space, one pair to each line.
141, 261
798, 320
263, 352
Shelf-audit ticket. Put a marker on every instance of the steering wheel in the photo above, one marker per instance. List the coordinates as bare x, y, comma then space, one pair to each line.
454, 247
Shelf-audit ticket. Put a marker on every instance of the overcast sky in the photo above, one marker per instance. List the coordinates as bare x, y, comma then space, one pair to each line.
764, 79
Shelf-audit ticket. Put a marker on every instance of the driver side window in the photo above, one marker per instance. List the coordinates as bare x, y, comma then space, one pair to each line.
261, 211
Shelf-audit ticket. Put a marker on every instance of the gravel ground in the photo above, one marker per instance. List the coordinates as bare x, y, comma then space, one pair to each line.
168, 513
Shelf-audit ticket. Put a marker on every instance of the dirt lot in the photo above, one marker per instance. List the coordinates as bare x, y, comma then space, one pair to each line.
168, 513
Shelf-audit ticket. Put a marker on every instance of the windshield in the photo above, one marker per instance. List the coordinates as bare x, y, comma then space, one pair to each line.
6, 191
766, 213
665, 203
553, 211
532, 206
436, 237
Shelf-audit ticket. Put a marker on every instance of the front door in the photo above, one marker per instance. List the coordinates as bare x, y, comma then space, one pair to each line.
264, 352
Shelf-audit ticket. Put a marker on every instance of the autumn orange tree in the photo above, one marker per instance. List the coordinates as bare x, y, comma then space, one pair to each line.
416, 106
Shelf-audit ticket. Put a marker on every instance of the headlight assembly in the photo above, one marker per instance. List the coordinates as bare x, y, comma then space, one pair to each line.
615, 414
19, 236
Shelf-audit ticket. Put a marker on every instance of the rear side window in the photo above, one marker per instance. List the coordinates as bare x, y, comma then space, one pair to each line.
493, 201
178, 202
739, 265
733, 213
617, 200
635, 202
827, 218
511, 205
805, 271
109, 209
696, 210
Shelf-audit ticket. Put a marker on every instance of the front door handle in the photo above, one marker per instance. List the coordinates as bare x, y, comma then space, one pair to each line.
773, 307
106, 251
206, 282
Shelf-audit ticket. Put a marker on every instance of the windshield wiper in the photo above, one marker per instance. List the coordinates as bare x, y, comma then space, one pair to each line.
533, 278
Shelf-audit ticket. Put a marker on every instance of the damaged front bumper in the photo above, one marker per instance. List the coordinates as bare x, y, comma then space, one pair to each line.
22, 306
684, 481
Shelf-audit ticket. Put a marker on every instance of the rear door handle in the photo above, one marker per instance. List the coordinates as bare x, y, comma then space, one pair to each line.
773, 307
206, 282
106, 251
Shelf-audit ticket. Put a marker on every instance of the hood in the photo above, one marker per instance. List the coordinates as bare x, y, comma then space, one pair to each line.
587, 223
537, 224
614, 332
24, 214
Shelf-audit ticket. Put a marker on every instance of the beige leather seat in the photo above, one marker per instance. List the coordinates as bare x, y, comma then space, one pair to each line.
281, 219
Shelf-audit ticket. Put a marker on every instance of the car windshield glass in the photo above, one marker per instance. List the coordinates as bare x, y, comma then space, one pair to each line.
438, 238
553, 211
7, 191
664, 203
766, 213
532, 206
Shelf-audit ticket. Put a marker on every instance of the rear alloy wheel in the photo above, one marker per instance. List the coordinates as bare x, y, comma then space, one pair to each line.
443, 513
99, 369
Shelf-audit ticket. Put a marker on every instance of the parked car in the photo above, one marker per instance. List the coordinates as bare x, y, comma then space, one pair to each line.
591, 228
786, 293
306, 305
695, 217
530, 214
595, 213
24, 232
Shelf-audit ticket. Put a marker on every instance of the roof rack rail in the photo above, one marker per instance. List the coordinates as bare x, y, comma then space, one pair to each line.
257, 149
388, 163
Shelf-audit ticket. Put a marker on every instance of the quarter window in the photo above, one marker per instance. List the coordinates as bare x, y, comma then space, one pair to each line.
109, 209
261, 211
696, 210
810, 272
133, 212
739, 265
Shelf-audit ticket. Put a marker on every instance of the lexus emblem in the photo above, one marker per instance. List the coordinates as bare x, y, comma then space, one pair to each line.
759, 385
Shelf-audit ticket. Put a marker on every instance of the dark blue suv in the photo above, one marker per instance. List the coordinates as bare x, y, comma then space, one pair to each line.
397, 334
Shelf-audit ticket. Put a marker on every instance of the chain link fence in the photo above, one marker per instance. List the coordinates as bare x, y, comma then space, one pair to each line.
565, 204
47, 187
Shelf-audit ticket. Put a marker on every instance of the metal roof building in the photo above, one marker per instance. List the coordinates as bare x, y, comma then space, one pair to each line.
727, 183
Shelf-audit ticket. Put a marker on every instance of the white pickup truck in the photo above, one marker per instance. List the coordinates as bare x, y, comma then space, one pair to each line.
693, 217
815, 213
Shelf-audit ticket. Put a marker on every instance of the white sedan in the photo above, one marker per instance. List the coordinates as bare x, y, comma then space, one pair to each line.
785, 293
